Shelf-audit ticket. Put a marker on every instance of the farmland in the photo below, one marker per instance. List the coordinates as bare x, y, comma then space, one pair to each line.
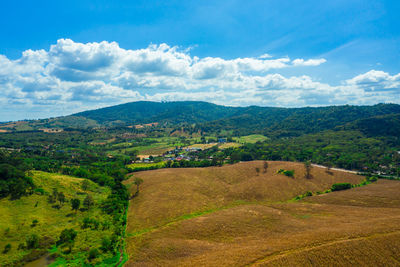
233, 215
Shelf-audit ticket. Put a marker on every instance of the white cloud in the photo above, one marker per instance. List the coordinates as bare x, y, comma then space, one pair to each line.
309, 62
74, 76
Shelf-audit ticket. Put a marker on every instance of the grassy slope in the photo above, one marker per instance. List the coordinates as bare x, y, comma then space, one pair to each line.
230, 216
253, 138
18, 215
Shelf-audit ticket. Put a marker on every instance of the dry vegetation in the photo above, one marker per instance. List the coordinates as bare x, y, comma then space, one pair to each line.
232, 215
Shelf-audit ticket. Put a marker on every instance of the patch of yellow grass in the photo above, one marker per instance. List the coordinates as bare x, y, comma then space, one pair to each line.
234, 216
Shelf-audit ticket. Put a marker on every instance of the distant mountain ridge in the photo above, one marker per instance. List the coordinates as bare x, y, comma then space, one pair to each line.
274, 121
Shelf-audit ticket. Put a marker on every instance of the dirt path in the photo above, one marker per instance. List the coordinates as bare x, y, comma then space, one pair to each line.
334, 169
284, 253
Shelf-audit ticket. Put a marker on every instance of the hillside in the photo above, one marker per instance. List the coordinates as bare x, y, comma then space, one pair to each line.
230, 215
34, 215
147, 112
207, 117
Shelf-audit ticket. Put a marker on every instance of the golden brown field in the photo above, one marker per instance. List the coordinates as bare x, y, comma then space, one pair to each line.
232, 216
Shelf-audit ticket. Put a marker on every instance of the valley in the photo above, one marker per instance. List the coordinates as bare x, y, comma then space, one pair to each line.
201, 184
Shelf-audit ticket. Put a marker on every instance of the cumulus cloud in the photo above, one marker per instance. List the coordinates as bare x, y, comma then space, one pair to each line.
73, 76
309, 62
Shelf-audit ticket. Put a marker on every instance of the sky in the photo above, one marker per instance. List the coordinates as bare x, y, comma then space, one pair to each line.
62, 57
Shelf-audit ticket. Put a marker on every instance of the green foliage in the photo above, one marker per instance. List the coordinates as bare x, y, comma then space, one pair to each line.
34, 223
289, 173
340, 186
67, 236
7, 248
93, 253
88, 202
32, 241
75, 203
90, 223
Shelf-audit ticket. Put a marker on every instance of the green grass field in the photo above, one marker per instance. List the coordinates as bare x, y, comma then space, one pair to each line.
17, 217
254, 138
145, 165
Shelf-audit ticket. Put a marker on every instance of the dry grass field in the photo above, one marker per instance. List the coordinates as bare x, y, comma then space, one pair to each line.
234, 216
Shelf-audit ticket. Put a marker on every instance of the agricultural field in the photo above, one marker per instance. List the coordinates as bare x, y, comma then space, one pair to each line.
34, 215
155, 146
240, 215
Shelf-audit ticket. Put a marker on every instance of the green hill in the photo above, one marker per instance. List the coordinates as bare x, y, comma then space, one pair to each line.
34, 215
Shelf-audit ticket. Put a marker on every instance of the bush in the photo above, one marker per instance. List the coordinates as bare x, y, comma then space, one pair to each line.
32, 241
288, 173
40, 191
372, 179
7, 248
93, 253
34, 223
340, 186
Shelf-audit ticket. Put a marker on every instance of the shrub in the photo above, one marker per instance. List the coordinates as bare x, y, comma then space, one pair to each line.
340, 186
93, 253
372, 179
40, 191
7, 248
34, 223
288, 173
32, 241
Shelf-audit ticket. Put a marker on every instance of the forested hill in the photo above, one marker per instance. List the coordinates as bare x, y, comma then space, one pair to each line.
147, 112
306, 119
207, 117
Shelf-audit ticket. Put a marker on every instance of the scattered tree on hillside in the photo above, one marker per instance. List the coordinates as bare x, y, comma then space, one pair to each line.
93, 253
138, 181
67, 238
61, 198
7, 248
265, 166
328, 167
75, 203
32, 241
257, 170
88, 202
85, 185
53, 197
307, 166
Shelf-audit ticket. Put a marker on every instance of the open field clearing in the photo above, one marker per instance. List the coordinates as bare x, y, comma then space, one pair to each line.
146, 165
17, 216
230, 215
253, 138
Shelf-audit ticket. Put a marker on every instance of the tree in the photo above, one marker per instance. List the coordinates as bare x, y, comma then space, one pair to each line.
67, 238
307, 166
61, 197
85, 185
328, 167
32, 241
133, 154
93, 253
7, 248
257, 170
75, 203
138, 181
88, 202
265, 166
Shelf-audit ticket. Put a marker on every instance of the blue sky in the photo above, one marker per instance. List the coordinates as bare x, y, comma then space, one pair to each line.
59, 57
